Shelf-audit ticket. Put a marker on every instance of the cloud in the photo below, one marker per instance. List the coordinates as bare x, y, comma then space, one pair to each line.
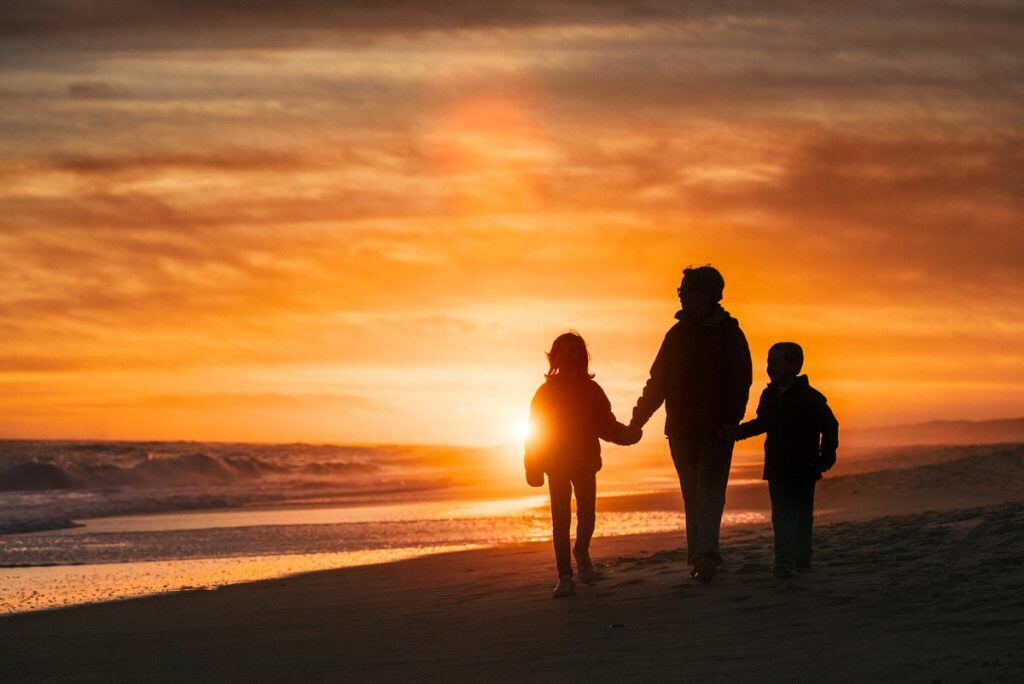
150, 25
92, 90
259, 194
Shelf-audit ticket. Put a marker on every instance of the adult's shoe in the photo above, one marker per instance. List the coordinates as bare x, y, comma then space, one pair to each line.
705, 570
586, 568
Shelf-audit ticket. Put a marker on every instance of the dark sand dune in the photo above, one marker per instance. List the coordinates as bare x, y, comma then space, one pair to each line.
984, 476
961, 477
1004, 430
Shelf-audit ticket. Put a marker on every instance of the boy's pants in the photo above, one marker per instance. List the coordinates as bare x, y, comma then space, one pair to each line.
702, 464
561, 488
792, 519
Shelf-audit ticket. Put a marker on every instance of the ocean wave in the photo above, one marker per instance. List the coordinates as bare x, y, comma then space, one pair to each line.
15, 526
34, 476
193, 469
47, 485
54, 484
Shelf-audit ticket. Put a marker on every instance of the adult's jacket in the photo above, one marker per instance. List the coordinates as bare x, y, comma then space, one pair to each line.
702, 374
803, 433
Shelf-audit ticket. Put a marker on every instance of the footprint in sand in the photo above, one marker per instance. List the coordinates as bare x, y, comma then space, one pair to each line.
628, 583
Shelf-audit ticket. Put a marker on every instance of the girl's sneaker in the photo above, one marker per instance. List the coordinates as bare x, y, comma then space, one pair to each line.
565, 587
585, 567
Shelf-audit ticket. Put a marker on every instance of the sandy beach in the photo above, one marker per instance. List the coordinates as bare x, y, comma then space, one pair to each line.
932, 594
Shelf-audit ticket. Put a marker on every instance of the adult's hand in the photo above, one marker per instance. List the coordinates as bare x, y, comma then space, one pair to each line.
729, 431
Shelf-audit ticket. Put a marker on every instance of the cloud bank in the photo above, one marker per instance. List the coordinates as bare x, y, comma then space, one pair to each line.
400, 208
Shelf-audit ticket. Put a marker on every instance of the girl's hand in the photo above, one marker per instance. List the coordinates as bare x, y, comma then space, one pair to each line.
634, 434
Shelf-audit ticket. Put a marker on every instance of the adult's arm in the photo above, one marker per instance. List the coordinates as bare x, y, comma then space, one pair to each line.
739, 376
653, 394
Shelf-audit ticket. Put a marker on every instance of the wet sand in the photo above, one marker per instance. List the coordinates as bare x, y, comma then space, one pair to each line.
922, 597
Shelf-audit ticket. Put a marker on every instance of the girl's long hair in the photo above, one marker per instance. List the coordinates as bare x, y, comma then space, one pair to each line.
567, 347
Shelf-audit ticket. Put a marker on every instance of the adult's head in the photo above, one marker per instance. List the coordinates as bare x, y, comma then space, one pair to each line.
569, 356
701, 289
785, 359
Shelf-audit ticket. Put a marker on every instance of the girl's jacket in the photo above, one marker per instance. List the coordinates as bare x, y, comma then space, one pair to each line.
568, 417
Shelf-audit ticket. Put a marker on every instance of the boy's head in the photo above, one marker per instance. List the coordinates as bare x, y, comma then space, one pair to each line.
785, 359
701, 288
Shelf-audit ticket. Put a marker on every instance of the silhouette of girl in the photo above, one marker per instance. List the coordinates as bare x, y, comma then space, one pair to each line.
569, 414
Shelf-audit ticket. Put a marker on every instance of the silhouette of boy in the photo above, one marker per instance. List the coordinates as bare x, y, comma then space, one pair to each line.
803, 435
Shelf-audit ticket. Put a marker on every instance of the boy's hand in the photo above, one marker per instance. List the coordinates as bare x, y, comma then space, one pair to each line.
828, 459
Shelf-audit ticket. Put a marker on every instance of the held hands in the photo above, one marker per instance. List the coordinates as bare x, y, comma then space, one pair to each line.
625, 435
633, 434
729, 431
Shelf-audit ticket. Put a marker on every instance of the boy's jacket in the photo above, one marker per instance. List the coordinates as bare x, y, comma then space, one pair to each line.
568, 417
702, 373
803, 433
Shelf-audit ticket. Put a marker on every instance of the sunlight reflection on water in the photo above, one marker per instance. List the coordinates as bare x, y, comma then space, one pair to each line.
116, 558
38, 588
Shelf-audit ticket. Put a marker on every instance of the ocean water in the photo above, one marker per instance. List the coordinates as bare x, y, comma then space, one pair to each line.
87, 521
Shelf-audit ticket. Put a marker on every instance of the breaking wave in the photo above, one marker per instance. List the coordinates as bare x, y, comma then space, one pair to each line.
49, 485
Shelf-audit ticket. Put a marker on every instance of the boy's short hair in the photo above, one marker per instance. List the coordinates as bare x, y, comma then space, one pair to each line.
705, 278
791, 351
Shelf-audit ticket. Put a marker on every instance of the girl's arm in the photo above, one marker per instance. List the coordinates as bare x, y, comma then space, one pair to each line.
535, 435
609, 428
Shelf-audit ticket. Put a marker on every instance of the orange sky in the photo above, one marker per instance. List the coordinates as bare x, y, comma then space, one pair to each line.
367, 223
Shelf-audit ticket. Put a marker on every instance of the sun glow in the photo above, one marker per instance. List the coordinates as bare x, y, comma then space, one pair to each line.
523, 430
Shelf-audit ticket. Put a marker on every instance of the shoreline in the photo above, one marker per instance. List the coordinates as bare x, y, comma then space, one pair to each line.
186, 549
214, 573
925, 596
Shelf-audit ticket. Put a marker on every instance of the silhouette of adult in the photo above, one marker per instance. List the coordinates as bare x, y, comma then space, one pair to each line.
702, 374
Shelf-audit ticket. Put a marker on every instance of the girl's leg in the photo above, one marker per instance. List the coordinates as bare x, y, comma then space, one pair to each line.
586, 511
561, 516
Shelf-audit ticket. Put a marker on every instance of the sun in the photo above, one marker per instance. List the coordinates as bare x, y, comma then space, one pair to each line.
523, 429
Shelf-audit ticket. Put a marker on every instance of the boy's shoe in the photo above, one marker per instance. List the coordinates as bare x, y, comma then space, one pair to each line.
783, 572
585, 567
705, 570
565, 587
